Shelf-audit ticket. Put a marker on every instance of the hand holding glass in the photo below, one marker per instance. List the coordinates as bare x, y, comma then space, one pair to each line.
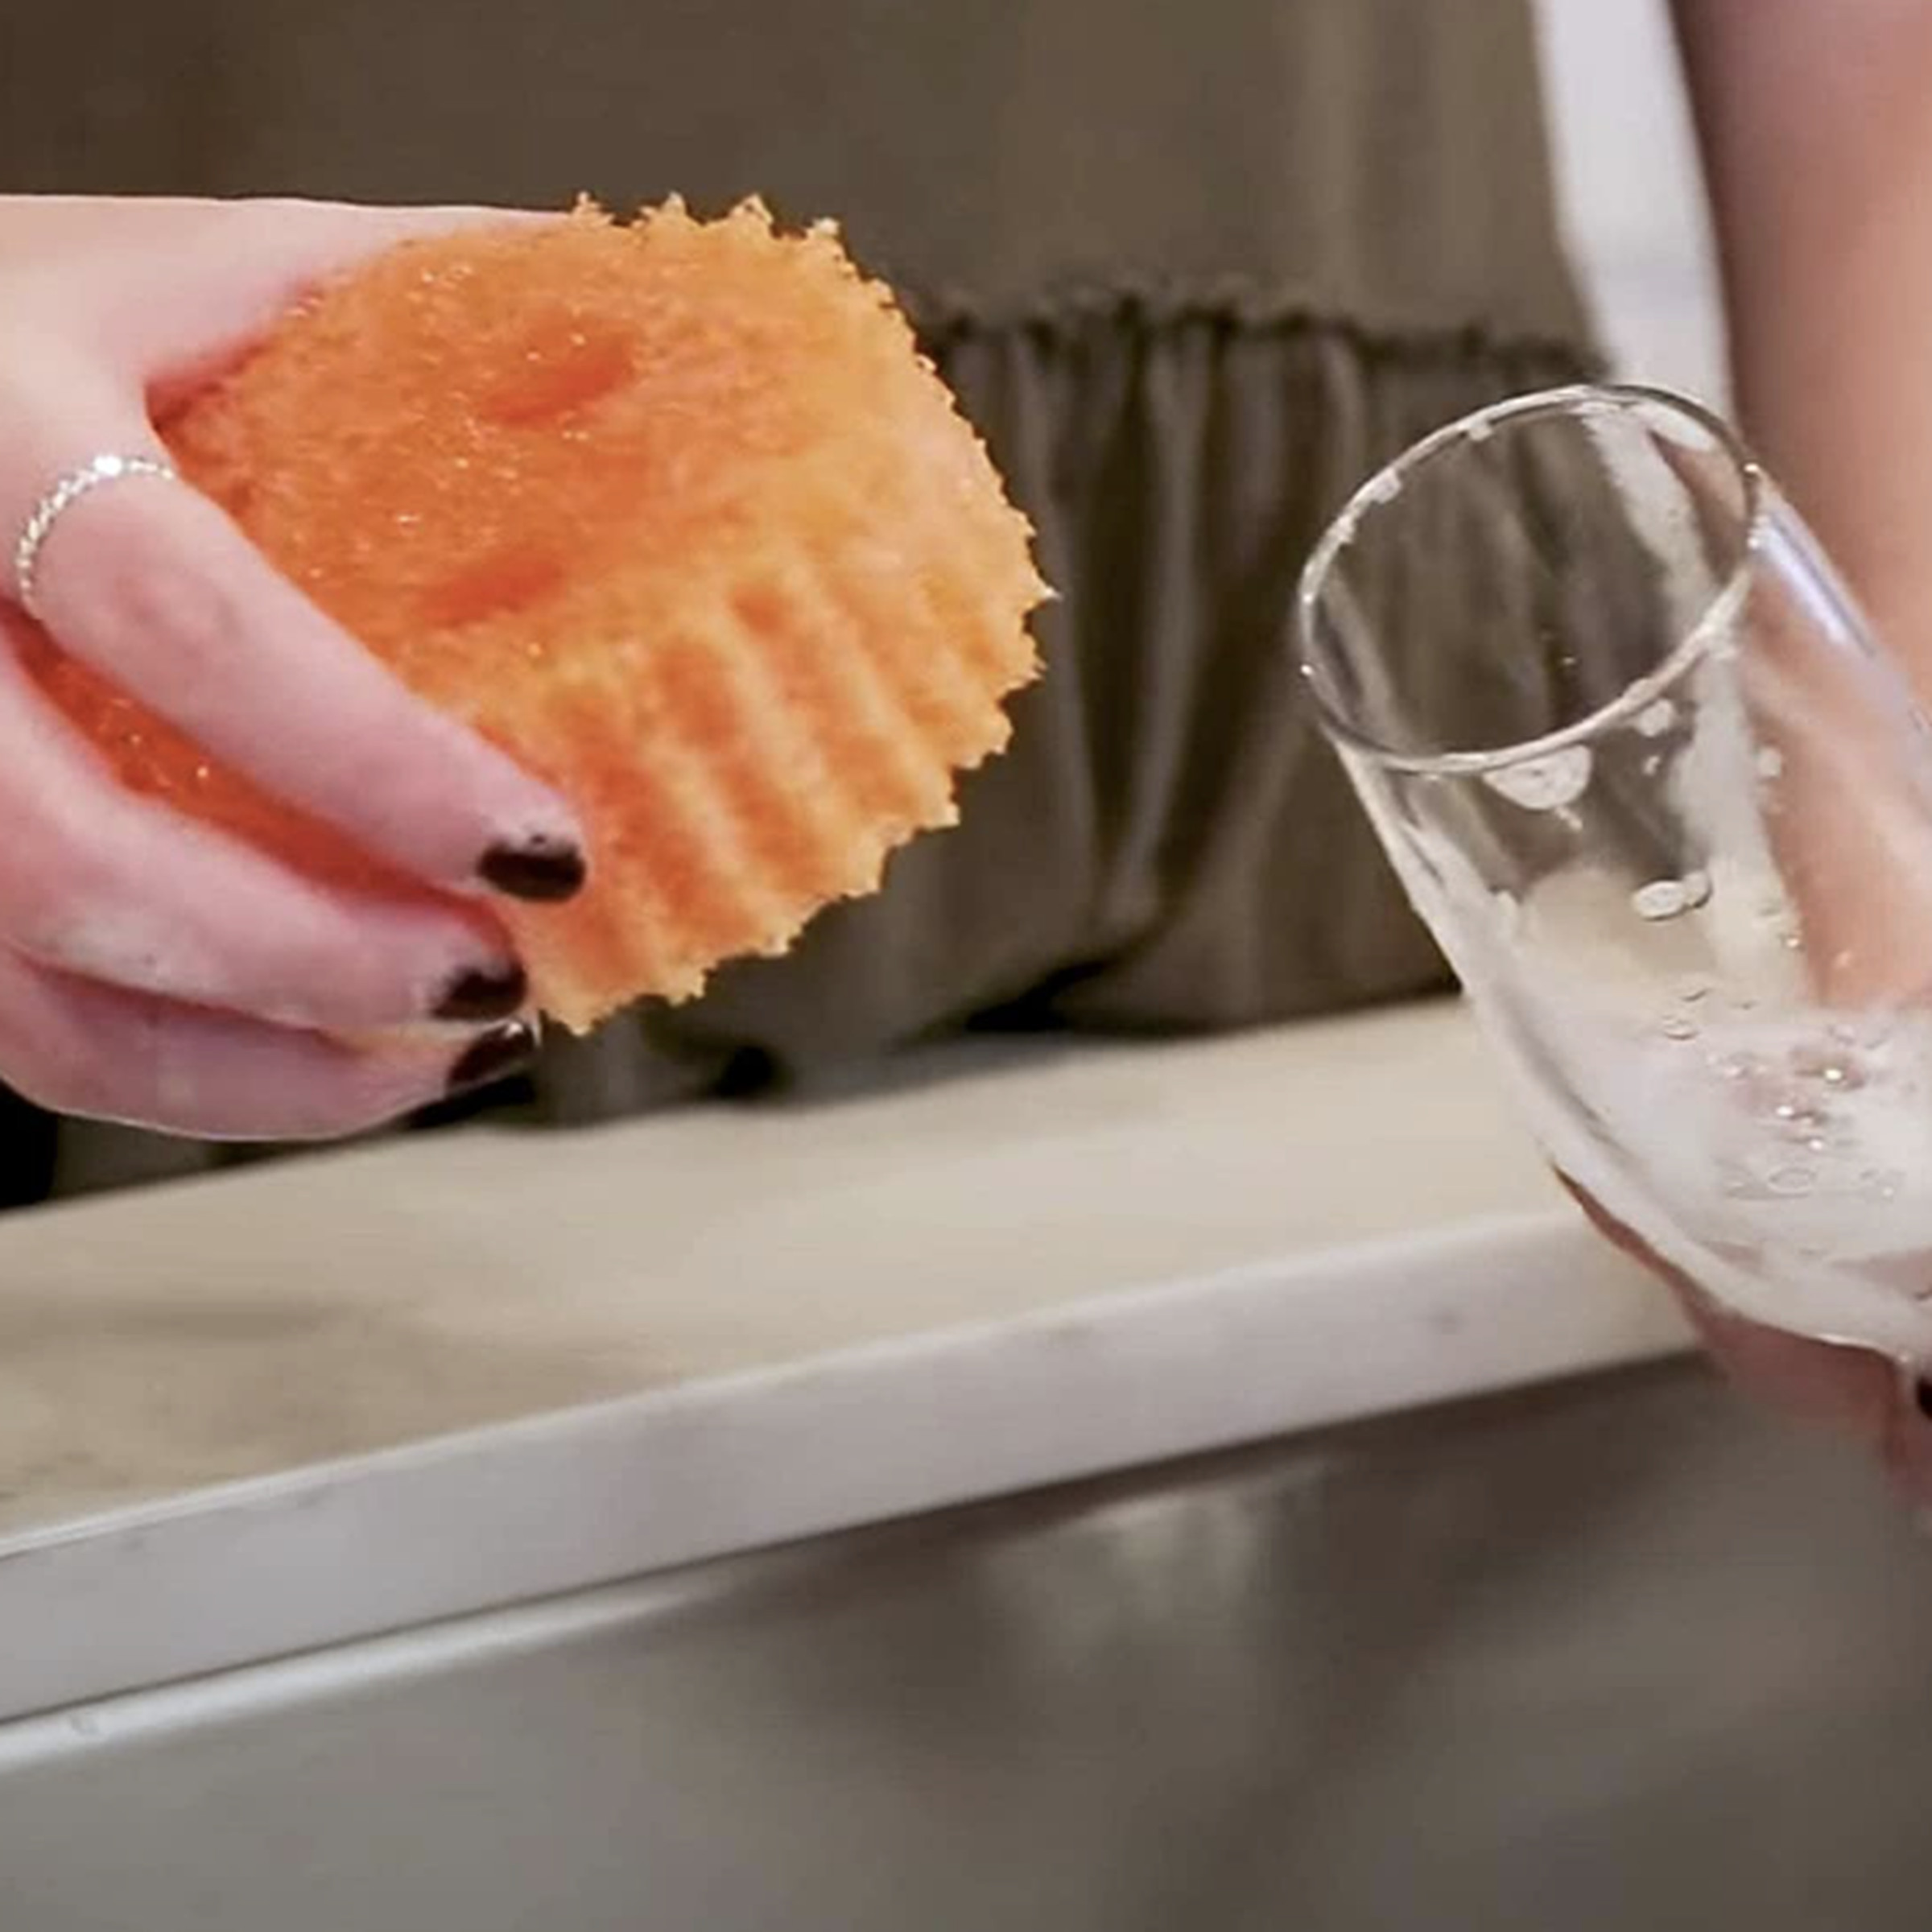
1668, 810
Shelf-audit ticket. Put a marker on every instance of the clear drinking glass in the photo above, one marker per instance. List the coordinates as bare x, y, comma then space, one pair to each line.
1668, 811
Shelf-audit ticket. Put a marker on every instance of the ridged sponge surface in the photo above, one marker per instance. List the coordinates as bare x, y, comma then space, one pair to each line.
675, 512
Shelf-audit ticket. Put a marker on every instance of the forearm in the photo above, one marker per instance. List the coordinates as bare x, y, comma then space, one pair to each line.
1816, 125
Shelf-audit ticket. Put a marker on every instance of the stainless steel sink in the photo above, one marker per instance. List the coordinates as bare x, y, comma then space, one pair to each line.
1615, 1654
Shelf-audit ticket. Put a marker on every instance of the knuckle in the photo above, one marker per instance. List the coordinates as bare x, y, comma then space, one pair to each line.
50, 898
161, 588
68, 1069
65, 901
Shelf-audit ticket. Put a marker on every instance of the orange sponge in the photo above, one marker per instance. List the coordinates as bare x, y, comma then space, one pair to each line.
676, 513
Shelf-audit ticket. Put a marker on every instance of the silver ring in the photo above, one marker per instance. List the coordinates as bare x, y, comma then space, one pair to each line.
61, 496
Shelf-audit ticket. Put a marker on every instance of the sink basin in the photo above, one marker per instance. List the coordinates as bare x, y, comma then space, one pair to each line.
1615, 1653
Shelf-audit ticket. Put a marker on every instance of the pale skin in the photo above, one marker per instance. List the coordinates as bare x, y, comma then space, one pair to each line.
153, 972
1816, 145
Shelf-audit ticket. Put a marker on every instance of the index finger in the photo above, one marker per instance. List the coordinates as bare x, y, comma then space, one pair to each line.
165, 291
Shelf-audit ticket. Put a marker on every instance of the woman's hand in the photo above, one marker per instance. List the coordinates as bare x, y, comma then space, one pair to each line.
152, 969
1818, 150
1855, 1391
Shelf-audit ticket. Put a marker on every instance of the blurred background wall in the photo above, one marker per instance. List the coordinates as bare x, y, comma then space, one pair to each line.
1629, 173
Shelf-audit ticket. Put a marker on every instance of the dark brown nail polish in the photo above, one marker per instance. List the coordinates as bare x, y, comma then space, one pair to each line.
543, 869
1925, 1400
484, 992
492, 1056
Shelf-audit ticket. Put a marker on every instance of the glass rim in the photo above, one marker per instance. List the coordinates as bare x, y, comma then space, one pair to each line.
1636, 696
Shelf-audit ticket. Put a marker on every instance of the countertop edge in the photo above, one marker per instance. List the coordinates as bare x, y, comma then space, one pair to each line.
236, 1575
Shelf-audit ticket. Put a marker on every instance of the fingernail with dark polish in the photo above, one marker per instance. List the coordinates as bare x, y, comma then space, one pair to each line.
492, 1056
484, 992
1925, 1400
541, 869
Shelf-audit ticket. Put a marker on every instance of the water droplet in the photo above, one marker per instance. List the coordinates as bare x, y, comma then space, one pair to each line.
1770, 762
1661, 899
1652, 765
1384, 489
1654, 719
1666, 898
1544, 784
1814, 1063
1816, 1144
1790, 1180
1802, 1122
1692, 991
1480, 430
1881, 1184
1678, 1027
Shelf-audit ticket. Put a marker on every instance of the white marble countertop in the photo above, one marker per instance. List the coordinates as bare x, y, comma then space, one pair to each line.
312, 1400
